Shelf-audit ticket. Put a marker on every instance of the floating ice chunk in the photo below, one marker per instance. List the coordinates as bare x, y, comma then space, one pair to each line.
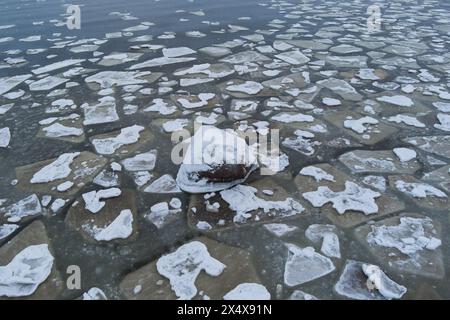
376, 182
5, 137
58, 169
120, 228
160, 106
353, 198
177, 52
279, 229
444, 120
183, 266
388, 288
164, 184
160, 214
359, 124
367, 74
7, 229
56, 66
301, 295
304, 265
248, 87
47, 83
203, 99
302, 142
57, 205
107, 79
398, 100
5, 108
107, 179
294, 57
317, 173
419, 190
442, 106
26, 271
161, 61
141, 162
242, 200
408, 120
29, 206
64, 186
331, 102
405, 154
93, 199
215, 160
175, 125
342, 88
289, 118
94, 294
326, 233
248, 291
408, 237
128, 135
57, 130
8, 83
103, 112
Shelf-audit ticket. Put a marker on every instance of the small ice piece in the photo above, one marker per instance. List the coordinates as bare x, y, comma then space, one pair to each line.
331, 102
359, 124
294, 57
304, 265
376, 182
103, 112
5, 137
26, 207
353, 198
301, 295
64, 186
160, 214
7, 229
388, 288
317, 173
26, 271
248, 87
289, 118
203, 225
279, 229
57, 130
120, 228
164, 184
248, 291
92, 199
141, 177
405, 154
175, 125
326, 233
398, 100
419, 190
444, 120
128, 135
408, 237
408, 120
58, 169
57, 205
183, 266
141, 162
94, 294
177, 52
242, 200
107, 179
175, 203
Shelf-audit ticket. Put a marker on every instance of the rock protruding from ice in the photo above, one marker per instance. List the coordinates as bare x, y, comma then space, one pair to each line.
327, 234
304, 265
248, 291
388, 288
243, 200
215, 160
58, 169
354, 197
183, 266
27, 270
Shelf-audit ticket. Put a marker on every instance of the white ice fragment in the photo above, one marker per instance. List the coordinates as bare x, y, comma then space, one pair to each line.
354, 198
388, 288
94, 294
26, 207
359, 124
58, 169
248, 87
183, 266
405, 154
93, 199
326, 233
5, 137
128, 135
120, 228
26, 271
279, 229
248, 291
419, 190
317, 173
398, 100
142, 162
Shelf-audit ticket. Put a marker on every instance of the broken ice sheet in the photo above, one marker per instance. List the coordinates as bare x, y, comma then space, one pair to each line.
183, 266
27, 207
408, 243
367, 282
304, 265
140, 162
103, 112
248, 291
94, 294
120, 228
280, 229
161, 214
7, 229
93, 199
5, 137
327, 234
26, 271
